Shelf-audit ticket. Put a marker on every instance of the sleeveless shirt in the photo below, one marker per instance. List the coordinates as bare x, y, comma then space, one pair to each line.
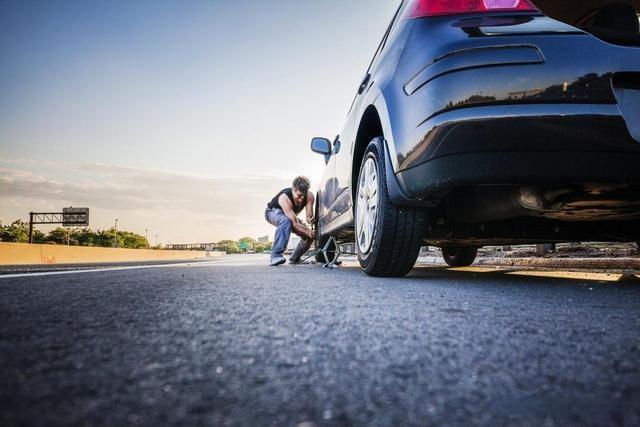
275, 203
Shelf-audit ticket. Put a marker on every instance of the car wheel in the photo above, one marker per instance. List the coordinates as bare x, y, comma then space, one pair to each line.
388, 237
459, 256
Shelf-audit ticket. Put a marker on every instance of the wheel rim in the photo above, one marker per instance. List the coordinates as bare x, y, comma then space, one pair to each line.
451, 253
367, 208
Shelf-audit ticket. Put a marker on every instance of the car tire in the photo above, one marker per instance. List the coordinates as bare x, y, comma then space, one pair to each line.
459, 256
388, 237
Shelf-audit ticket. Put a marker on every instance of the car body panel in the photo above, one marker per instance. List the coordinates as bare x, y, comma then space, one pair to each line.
507, 84
481, 57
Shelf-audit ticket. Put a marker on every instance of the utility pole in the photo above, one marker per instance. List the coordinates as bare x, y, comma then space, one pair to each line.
30, 227
115, 242
156, 240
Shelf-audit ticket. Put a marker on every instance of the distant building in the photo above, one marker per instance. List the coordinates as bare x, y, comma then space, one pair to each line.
192, 246
263, 239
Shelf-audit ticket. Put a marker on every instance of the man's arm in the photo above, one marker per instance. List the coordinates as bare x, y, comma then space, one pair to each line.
298, 228
309, 208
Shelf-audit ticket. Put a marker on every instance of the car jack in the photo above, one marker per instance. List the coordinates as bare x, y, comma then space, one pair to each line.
329, 263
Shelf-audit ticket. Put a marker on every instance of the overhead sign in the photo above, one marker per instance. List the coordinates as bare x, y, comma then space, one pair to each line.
75, 217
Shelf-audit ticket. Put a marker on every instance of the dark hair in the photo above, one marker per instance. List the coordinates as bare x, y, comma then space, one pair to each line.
302, 184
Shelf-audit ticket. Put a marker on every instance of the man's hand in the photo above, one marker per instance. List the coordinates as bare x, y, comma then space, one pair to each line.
312, 234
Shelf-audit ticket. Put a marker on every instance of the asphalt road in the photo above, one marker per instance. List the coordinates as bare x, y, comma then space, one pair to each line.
235, 342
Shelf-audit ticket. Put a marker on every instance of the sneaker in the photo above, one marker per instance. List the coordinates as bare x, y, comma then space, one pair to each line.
277, 261
294, 261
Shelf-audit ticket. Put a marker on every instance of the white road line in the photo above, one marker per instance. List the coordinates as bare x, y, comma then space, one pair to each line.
228, 262
97, 270
232, 261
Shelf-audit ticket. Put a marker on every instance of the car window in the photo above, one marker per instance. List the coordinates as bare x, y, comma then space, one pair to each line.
389, 30
382, 45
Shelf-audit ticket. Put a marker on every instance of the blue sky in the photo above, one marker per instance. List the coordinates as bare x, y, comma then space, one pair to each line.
102, 103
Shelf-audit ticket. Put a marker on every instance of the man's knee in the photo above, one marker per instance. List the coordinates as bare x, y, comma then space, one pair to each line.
285, 223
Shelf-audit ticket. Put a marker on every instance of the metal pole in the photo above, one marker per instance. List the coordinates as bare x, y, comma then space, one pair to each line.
115, 242
30, 227
156, 240
146, 237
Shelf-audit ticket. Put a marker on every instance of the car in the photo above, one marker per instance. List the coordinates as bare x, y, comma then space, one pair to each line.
488, 122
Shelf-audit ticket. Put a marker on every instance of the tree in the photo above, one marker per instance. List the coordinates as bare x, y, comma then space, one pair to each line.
17, 232
84, 236
127, 239
38, 236
249, 242
229, 246
57, 235
105, 238
261, 247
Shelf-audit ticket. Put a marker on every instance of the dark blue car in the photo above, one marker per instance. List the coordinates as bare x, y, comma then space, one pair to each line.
487, 122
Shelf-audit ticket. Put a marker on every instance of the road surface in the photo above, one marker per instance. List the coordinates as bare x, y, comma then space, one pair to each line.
235, 342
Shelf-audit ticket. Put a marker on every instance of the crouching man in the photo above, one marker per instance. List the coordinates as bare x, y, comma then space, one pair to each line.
282, 212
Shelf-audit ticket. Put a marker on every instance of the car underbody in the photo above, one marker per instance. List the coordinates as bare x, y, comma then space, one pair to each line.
517, 214
510, 215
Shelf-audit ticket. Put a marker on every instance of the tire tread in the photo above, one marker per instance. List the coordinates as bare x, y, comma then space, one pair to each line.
400, 228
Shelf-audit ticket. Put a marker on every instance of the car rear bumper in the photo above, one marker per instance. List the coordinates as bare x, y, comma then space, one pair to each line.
544, 92
523, 128
520, 145
518, 168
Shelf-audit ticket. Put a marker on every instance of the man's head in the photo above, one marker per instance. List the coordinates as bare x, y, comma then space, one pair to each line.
299, 188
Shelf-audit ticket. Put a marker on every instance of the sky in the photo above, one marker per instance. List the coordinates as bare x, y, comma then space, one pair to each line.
182, 118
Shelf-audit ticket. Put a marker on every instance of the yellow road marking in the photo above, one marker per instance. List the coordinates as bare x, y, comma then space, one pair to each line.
602, 277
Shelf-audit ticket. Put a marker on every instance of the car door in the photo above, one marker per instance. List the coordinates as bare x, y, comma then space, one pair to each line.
344, 154
327, 193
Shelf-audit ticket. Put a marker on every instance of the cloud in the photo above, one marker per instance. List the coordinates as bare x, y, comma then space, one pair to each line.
209, 202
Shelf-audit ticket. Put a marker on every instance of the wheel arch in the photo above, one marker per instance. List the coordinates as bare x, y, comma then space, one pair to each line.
370, 127
374, 123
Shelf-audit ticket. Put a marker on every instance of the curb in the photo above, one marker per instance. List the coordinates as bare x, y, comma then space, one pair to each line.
586, 263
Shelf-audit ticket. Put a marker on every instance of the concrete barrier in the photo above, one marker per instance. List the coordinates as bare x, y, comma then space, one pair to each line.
22, 253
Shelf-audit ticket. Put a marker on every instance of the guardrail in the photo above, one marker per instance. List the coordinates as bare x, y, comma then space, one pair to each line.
23, 253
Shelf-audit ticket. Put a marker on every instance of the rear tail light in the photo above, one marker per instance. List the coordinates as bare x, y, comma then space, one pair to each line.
424, 8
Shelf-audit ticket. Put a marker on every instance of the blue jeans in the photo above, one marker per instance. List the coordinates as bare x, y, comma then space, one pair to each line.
284, 228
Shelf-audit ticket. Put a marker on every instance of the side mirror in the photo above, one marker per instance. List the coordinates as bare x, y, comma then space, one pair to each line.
321, 146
